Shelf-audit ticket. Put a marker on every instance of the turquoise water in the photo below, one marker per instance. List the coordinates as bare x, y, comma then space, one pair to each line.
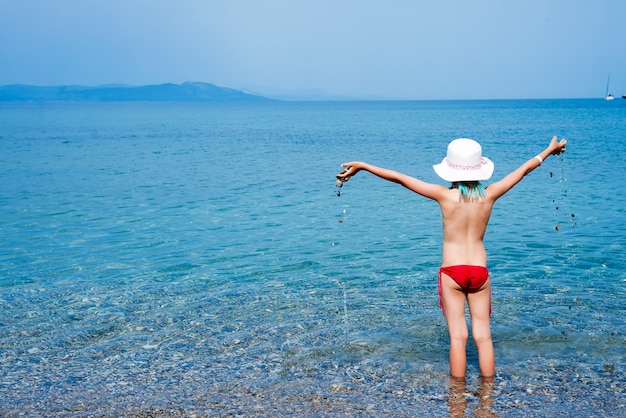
172, 259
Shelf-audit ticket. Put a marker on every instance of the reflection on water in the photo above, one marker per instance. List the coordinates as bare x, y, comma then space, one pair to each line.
462, 401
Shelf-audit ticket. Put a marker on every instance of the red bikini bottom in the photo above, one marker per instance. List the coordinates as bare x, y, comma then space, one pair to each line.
470, 278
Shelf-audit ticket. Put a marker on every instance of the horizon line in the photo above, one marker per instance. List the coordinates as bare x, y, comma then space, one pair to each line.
296, 97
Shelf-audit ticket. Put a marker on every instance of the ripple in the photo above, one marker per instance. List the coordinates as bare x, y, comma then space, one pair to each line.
175, 263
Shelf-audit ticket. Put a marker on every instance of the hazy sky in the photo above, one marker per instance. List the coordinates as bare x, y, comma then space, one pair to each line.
393, 49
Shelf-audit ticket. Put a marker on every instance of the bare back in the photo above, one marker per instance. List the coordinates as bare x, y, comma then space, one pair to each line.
464, 226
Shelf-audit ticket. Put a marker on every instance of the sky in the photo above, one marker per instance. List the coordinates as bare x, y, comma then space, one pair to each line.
350, 49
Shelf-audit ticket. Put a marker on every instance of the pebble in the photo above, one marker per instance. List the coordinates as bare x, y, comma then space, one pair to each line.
274, 358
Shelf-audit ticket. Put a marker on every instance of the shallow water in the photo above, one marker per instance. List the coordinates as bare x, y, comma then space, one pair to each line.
172, 259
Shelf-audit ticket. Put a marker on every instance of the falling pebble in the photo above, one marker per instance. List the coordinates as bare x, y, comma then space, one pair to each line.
550, 173
557, 208
338, 184
573, 215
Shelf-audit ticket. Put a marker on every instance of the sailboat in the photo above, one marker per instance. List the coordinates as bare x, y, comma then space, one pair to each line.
607, 95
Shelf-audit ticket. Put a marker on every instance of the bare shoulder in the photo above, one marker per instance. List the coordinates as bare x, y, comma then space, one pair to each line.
493, 191
497, 189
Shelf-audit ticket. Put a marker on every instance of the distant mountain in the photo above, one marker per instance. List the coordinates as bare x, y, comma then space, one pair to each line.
186, 92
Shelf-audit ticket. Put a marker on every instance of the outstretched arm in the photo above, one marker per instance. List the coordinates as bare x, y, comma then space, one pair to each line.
497, 189
432, 191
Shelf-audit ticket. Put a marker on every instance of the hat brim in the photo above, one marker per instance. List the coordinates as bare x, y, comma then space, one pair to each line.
447, 173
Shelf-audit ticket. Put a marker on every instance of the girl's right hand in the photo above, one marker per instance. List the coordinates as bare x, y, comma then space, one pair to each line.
557, 147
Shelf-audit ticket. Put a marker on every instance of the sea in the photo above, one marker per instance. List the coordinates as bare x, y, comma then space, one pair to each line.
198, 259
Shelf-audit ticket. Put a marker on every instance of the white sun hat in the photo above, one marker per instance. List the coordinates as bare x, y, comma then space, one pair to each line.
464, 162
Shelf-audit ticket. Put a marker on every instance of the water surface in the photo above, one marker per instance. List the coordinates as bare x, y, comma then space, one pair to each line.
171, 259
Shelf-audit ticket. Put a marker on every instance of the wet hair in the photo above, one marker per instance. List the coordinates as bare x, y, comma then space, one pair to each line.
469, 190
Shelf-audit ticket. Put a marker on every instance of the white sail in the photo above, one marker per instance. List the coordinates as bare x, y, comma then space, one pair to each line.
607, 95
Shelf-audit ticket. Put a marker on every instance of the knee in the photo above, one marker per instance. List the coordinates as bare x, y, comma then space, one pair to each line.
481, 336
459, 336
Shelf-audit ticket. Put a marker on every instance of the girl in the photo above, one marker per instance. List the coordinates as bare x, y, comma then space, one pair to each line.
465, 210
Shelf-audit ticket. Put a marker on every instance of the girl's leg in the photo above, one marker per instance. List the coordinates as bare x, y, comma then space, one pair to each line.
480, 309
453, 300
